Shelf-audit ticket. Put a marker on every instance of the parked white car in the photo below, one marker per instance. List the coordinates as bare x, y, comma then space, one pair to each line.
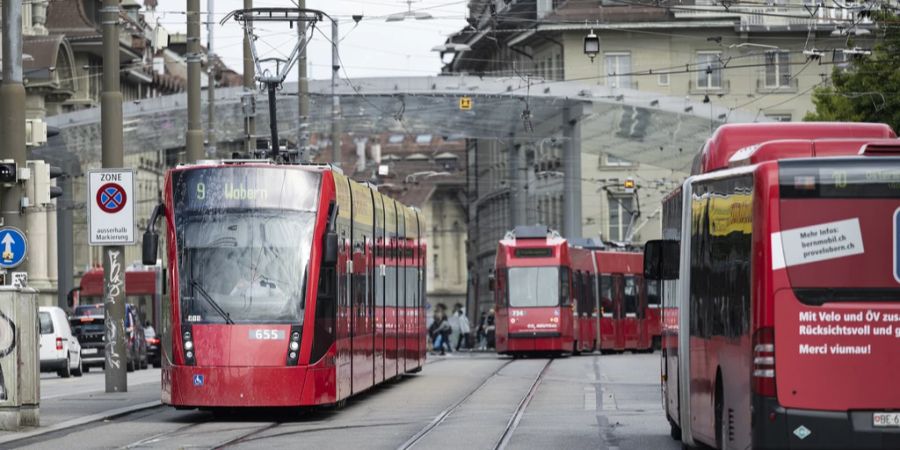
60, 350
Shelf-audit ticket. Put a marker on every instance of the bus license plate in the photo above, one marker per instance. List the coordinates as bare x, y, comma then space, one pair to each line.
89, 351
263, 334
886, 420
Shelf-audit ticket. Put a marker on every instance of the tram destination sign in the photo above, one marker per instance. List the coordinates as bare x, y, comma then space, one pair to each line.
111, 207
540, 252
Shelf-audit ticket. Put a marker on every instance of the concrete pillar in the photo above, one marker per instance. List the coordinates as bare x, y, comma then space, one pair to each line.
571, 217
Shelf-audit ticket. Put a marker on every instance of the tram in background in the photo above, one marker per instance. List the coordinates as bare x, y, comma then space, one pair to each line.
532, 293
624, 324
144, 287
775, 247
291, 285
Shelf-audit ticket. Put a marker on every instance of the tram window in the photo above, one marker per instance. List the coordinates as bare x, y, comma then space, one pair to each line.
564, 286
631, 295
653, 297
533, 286
606, 293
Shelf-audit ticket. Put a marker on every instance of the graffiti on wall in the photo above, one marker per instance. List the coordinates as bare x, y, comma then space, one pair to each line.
7, 345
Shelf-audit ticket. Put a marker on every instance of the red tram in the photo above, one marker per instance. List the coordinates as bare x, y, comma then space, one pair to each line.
532, 293
624, 324
291, 285
555, 297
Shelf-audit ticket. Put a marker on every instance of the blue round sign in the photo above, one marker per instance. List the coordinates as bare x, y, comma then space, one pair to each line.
12, 247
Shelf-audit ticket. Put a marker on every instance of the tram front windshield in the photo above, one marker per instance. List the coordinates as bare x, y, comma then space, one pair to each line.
244, 239
533, 287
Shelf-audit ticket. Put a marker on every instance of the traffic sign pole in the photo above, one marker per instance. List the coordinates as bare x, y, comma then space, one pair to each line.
113, 255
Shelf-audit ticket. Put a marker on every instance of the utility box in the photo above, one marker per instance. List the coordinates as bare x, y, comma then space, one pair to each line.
37, 187
35, 132
19, 359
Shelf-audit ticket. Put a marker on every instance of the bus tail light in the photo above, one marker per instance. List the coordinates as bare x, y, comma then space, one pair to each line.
764, 362
59, 344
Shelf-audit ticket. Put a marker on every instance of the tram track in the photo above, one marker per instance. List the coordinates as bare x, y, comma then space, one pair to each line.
520, 409
511, 424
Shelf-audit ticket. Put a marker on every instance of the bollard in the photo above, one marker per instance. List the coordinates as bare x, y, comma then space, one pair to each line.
19, 359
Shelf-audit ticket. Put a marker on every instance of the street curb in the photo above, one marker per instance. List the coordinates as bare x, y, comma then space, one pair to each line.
15, 436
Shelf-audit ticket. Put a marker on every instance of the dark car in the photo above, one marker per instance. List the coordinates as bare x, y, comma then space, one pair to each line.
88, 326
153, 353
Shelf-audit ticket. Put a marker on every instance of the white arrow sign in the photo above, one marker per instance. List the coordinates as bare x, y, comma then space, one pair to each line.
8, 241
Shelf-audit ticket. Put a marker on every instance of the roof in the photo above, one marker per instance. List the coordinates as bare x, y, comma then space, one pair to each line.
69, 17
42, 67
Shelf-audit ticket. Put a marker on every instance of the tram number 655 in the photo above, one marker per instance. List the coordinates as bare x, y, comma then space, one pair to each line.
263, 334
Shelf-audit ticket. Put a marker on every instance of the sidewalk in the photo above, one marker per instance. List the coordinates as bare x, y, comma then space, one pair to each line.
86, 402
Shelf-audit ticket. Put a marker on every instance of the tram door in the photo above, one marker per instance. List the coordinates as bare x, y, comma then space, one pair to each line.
619, 311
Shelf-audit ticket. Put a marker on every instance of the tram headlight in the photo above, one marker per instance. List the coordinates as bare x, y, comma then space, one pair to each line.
295, 346
295, 336
187, 335
189, 354
188, 345
293, 355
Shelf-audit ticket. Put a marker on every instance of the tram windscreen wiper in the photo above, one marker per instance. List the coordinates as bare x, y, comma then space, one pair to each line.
212, 302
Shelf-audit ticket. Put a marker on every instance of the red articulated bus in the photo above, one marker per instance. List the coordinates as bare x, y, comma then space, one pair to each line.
532, 290
624, 324
291, 285
781, 289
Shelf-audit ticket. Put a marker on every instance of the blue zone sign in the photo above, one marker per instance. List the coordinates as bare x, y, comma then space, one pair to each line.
12, 247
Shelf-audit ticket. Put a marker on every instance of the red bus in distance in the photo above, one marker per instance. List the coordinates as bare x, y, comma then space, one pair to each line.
779, 288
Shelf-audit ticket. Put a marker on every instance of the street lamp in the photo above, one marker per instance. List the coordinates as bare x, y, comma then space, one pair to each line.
418, 15
591, 45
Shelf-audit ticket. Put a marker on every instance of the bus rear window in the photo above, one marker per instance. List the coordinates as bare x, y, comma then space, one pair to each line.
837, 235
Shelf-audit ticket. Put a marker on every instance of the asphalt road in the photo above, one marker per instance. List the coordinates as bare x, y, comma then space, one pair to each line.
471, 401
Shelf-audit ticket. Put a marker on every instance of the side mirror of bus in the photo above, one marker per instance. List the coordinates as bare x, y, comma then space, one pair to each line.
150, 248
661, 259
330, 255
150, 243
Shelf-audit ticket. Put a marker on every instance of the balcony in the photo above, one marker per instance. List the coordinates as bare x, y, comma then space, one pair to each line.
791, 86
695, 89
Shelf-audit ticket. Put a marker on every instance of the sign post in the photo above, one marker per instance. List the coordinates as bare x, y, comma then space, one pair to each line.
111, 224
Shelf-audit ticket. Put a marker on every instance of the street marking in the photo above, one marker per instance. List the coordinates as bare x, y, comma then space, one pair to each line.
609, 401
590, 398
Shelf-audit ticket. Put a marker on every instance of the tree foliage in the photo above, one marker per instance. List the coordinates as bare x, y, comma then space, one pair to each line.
868, 89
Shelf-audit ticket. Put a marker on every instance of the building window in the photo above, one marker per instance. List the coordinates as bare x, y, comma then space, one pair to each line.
662, 79
615, 161
778, 69
709, 66
620, 209
618, 66
560, 73
840, 60
434, 265
779, 117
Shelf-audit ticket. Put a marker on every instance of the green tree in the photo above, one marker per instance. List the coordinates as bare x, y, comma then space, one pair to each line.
868, 90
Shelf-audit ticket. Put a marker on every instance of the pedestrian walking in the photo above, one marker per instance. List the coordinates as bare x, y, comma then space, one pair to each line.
464, 328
